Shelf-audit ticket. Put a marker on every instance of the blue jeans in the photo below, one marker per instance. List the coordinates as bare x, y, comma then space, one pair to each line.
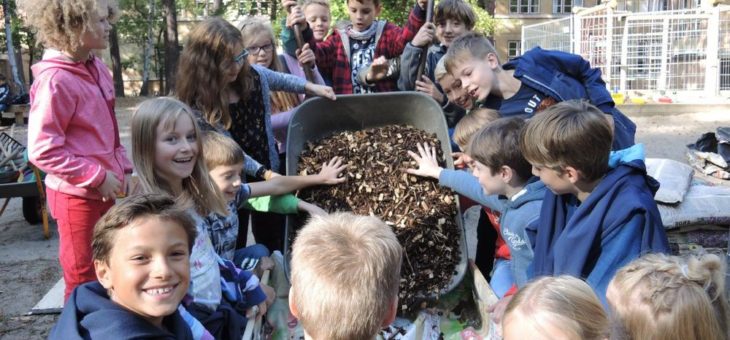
502, 279
247, 258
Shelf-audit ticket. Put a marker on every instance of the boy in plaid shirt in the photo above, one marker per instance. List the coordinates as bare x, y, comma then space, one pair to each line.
356, 57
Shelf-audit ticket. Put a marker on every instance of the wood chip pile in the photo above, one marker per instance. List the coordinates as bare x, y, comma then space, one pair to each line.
421, 213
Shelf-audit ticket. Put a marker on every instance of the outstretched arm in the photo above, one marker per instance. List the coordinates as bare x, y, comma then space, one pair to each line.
286, 184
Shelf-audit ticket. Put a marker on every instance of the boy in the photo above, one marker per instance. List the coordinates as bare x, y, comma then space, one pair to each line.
224, 160
502, 182
600, 212
345, 272
452, 18
365, 44
141, 251
532, 82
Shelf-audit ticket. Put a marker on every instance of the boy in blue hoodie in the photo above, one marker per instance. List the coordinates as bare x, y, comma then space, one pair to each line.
141, 251
600, 212
501, 181
530, 83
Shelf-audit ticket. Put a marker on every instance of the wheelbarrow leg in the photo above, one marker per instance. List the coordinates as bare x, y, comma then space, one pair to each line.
42, 199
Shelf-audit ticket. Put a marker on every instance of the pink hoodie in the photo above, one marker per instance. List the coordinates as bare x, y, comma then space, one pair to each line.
72, 130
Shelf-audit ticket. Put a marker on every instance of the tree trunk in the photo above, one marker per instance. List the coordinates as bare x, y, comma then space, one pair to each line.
171, 45
116, 62
14, 67
145, 90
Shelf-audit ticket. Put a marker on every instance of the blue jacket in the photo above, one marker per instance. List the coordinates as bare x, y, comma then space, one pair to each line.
618, 222
565, 76
90, 314
516, 216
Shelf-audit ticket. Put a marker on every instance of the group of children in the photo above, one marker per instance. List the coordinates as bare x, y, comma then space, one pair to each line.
549, 157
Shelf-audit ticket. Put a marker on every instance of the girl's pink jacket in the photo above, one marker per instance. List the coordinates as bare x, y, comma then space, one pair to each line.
72, 130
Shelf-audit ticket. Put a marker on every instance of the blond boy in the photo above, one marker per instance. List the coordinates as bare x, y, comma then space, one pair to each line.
345, 272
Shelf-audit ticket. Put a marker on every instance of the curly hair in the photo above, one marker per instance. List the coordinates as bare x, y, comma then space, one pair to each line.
60, 23
201, 81
669, 297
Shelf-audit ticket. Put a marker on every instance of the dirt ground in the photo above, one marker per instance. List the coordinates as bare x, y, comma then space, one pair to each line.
29, 265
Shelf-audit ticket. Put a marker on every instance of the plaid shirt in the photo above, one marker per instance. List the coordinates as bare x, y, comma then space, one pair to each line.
333, 57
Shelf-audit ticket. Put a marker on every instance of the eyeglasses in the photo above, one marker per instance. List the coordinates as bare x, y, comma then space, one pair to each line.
241, 57
256, 49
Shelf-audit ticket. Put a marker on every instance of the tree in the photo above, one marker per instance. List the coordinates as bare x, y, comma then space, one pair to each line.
171, 45
15, 68
144, 91
116, 62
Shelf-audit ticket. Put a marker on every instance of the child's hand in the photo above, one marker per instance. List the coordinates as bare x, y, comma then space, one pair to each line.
497, 309
311, 209
305, 55
422, 4
296, 16
288, 3
424, 37
378, 70
428, 165
110, 187
330, 171
320, 91
461, 159
426, 86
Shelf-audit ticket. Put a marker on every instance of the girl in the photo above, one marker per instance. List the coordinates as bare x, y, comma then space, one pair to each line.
215, 78
659, 296
562, 307
72, 129
259, 41
167, 155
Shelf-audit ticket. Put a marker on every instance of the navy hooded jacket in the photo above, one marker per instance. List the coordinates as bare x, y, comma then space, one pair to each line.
618, 222
565, 76
90, 314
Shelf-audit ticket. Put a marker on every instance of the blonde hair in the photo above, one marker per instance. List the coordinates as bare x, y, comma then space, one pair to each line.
60, 23
345, 272
199, 191
471, 123
440, 71
469, 45
659, 296
220, 150
323, 3
254, 27
564, 302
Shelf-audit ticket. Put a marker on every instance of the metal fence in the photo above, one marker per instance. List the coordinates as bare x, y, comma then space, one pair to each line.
680, 50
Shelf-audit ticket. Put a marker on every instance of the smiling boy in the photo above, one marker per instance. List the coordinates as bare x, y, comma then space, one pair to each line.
141, 251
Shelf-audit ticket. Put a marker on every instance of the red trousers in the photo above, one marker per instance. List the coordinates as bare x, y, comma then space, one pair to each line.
75, 217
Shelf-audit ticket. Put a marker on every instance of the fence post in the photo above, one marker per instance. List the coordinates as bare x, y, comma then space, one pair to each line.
664, 65
575, 37
712, 71
624, 56
609, 47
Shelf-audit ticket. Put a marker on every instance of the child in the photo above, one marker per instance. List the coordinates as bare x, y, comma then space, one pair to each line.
502, 182
562, 307
168, 157
258, 40
452, 88
234, 97
141, 256
536, 80
72, 128
670, 297
224, 160
366, 42
317, 14
345, 272
600, 212
452, 18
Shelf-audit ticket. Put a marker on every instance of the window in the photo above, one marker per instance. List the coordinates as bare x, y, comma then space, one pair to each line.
513, 48
524, 6
565, 6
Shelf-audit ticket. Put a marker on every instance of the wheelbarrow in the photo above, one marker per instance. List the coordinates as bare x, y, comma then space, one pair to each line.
318, 118
20, 178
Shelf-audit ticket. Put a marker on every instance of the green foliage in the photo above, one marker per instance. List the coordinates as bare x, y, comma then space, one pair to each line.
485, 22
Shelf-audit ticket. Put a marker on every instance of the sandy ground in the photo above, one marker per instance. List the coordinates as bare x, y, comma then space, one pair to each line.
29, 266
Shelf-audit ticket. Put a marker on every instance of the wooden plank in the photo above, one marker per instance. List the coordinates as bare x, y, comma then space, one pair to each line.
52, 302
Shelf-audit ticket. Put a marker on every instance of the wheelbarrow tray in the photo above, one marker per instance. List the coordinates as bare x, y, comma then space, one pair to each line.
318, 118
